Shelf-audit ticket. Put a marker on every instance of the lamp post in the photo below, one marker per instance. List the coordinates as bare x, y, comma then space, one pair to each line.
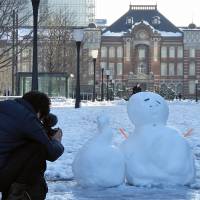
69, 85
113, 85
107, 78
78, 37
196, 86
102, 92
94, 57
35, 5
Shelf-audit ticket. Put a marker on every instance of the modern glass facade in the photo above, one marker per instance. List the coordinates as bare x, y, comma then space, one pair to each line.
53, 84
82, 12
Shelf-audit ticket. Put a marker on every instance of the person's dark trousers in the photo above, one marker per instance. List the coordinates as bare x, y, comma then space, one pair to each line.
26, 166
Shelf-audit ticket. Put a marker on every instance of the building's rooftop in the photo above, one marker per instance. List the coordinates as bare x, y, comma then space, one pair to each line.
146, 13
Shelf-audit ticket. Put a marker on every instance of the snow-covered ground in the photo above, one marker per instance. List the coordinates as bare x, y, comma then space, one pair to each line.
79, 125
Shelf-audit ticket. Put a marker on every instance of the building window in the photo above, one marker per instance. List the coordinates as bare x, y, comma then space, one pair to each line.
163, 69
119, 52
104, 52
192, 53
180, 52
112, 69
25, 53
127, 48
91, 69
156, 20
25, 67
103, 65
163, 52
141, 53
192, 69
171, 52
171, 69
180, 69
119, 68
179, 89
191, 87
111, 52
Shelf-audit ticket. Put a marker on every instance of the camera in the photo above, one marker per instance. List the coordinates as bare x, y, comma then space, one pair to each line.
48, 122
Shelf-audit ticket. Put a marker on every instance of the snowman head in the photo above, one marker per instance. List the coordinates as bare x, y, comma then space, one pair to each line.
147, 108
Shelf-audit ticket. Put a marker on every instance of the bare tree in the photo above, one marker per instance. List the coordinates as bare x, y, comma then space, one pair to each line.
55, 43
9, 23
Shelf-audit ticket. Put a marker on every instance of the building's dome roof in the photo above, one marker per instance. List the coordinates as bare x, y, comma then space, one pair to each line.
192, 25
92, 25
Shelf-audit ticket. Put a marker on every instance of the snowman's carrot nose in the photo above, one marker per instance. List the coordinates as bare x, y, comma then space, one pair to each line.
188, 133
123, 132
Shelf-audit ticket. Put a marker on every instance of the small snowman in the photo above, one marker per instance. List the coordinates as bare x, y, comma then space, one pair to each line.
98, 163
155, 153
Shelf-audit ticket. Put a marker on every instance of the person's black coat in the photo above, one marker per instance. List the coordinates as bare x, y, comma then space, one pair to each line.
136, 89
18, 125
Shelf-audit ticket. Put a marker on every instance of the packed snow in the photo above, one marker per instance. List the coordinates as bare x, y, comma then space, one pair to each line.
156, 154
99, 163
80, 125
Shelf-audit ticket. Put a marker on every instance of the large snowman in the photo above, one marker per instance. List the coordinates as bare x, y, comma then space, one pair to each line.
155, 153
98, 163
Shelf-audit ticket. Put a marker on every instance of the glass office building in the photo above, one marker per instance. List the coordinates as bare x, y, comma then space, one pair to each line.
82, 11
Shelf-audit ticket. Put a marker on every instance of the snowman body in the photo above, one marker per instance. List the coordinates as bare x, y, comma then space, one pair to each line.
155, 153
98, 163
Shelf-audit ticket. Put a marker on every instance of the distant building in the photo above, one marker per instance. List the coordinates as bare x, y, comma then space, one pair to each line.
101, 22
191, 58
144, 47
82, 12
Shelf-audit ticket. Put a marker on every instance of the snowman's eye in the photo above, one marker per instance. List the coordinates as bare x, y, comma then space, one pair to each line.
147, 99
158, 102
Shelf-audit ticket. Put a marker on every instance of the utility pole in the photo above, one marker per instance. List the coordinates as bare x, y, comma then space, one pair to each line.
13, 52
16, 56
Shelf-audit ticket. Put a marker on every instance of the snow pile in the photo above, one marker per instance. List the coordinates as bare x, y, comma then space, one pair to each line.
98, 163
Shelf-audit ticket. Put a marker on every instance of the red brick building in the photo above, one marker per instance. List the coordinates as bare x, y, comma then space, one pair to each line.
144, 47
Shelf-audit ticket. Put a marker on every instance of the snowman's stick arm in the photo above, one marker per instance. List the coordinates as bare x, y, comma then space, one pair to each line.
123, 132
188, 133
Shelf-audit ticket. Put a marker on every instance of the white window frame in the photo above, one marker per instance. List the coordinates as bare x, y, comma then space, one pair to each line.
191, 87
163, 70
192, 69
180, 52
163, 52
171, 69
112, 52
119, 69
172, 52
180, 69
119, 52
104, 52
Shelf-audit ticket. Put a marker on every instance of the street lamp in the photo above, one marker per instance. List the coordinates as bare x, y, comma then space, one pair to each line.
102, 92
107, 78
113, 85
94, 57
196, 84
35, 5
78, 37
69, 85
